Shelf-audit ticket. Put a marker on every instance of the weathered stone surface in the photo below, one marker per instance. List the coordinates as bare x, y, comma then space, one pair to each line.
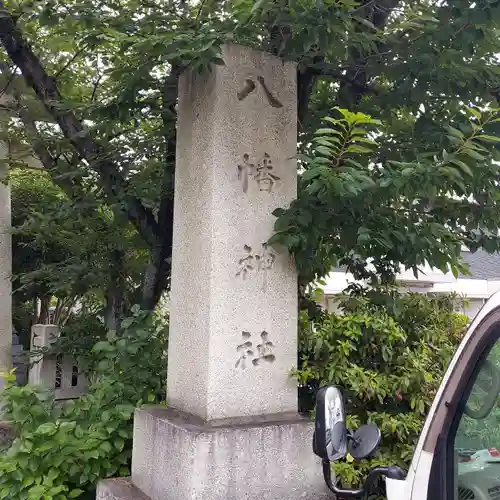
46, 370
119, 489
7, 436
179, 457
5, 270
233, 321
235, 433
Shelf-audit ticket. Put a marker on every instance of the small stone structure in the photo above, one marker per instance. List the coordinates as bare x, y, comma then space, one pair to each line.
7, 436
5, 268
232, 430
19, 361
58, 373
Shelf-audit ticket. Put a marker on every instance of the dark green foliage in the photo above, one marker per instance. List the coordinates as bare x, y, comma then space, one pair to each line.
63, 248
113, 71
35, 248
374, 216
62, 450
389, 359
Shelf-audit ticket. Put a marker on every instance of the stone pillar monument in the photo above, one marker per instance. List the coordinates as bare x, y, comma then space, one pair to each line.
231, 431
5, 268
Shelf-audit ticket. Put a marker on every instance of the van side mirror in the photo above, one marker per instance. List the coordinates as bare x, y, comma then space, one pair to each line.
332, 440
364, 442
330, 431
488, 381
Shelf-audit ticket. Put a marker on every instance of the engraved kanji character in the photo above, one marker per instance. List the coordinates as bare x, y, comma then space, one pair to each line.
249, 87
246, 264
264, 174
265, 262
264, 350
245, 170
244, 350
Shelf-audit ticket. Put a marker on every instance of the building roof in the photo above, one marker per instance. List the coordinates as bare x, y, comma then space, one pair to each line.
482, 265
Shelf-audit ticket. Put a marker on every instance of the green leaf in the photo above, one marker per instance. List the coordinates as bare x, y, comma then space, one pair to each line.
27, 481
354, 148
328, 131
106, 447
463, 166
103, 346
104, 365
124, 472
257, 6
474, 112
354, 163
324, 150
473, 154
47, 429
91, 454
119, 444
454, 132
365, 140
488, 138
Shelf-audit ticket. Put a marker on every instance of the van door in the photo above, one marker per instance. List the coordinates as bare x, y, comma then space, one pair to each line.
458, 454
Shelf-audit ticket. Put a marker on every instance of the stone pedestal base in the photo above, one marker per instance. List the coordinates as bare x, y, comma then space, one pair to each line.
120, 488
179, 457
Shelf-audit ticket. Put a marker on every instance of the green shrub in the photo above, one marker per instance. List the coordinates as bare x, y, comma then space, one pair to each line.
61, 451
387, 353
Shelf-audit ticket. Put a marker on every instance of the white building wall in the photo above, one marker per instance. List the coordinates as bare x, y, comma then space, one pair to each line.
475, 291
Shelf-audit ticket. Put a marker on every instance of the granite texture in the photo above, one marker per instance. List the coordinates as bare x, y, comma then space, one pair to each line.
120, 488
235, 433
233, 320
5, 271
177, 457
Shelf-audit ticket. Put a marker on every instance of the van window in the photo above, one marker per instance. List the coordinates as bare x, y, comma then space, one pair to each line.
477, 441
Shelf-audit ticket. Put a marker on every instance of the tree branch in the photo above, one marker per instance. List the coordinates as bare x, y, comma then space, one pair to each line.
66, 66
354, 85
169, 117
39, 149
45, 87
305, 84
96, 86
337, 75
48, 161
9, 83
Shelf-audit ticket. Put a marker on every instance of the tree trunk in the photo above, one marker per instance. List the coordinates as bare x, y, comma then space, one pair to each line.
101, 160
114, 295
158, 272
43, 316
157, 275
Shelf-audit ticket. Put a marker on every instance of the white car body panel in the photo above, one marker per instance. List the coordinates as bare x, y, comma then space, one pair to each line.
416, 484
396, 489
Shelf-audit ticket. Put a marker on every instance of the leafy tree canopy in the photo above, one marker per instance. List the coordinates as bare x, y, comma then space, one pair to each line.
91, 88
64, 249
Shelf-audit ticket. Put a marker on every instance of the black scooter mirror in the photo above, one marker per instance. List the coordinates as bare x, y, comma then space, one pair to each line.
330, 434
364, 441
